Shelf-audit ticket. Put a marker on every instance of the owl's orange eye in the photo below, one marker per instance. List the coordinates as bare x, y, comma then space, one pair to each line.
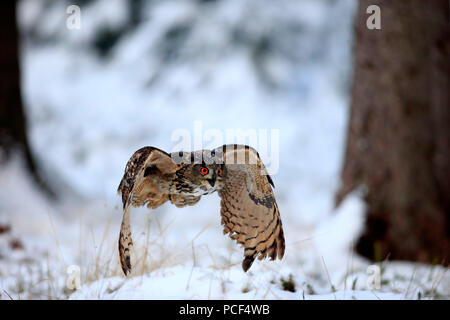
204, 170
219, 172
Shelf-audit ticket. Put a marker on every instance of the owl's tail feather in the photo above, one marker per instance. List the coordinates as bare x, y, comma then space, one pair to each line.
125, 242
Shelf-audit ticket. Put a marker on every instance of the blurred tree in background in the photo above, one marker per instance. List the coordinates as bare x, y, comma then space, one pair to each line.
398, 142
13, 128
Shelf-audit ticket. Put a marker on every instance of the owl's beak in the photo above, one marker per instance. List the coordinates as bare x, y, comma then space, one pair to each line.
212, 181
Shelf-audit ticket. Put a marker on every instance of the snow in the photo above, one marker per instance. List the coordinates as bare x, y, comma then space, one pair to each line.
88, 114
207, 284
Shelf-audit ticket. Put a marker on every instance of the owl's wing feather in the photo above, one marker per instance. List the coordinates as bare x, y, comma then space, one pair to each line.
148, 171
146, 180
249, 211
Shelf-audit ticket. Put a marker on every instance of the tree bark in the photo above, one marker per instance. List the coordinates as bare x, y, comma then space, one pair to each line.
398, 140
13, 129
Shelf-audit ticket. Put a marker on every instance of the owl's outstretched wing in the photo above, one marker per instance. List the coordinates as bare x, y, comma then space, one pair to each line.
248, 208
147, 178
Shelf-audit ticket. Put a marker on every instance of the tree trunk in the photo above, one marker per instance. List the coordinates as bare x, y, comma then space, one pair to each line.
398, 141
12, 118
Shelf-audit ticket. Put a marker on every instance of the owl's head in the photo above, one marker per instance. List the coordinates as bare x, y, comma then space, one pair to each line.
204, 173
208, 175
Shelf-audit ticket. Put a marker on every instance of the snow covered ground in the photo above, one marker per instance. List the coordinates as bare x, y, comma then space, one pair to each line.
225, 65
181, 254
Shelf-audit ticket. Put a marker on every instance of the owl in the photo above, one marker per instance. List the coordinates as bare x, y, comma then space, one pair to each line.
249, 212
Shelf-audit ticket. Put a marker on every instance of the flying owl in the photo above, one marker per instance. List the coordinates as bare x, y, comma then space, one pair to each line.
249, 212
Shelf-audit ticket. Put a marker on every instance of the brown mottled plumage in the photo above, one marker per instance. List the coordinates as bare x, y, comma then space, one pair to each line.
249, 211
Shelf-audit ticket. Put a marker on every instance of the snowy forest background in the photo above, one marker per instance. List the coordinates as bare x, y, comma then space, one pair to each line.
134, 73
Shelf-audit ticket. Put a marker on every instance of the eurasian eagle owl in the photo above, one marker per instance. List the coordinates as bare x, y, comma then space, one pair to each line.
248, 210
